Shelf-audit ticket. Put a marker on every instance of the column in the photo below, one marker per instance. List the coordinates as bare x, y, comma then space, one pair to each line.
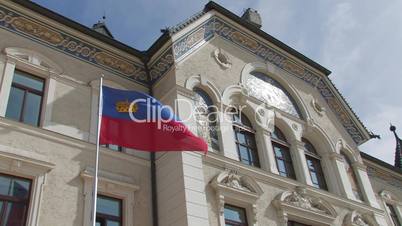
6, 82
344, 184
228, 137
265, 149
299, 162
364, 184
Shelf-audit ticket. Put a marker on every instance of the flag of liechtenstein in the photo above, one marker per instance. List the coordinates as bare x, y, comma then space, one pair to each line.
136, 120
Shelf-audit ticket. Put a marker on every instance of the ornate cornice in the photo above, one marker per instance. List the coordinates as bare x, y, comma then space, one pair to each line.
55, 38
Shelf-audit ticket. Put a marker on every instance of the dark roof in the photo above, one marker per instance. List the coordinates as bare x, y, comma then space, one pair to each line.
86, 30
144, 55
212, 5
380, 162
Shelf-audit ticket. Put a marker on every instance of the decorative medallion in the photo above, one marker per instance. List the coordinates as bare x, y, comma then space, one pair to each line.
222, 59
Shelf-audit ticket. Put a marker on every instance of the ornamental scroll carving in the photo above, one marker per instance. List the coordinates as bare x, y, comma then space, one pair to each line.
299, 203
356, 218
300, 199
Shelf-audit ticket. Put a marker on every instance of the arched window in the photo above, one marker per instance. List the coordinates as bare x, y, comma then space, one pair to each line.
282, 154
352, 178
245, 139
314, 165
266, 89
206, 118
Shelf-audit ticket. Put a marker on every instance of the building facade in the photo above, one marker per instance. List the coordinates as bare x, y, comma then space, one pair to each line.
289, 157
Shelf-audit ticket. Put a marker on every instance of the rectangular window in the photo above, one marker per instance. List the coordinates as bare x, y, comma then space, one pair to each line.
393, 215
235, 216
316, 173
294, 223
108, 211
113, 147
284, 161
25, 100
14, 200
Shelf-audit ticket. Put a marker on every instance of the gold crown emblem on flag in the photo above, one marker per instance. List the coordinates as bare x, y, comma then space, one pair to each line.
124, 106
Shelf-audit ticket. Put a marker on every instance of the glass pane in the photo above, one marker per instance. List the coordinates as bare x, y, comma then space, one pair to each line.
244, 156
234, 214
28, 80
314, 179
15, 215
5, 185
15, 102
32, 109
108, 206
281, 166
278, 152
310, 164
18, 188
112, 223
240, 137
114, 147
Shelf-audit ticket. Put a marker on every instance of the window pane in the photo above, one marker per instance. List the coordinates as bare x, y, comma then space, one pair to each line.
28, 80
14, 106
235, 214
314, 179
112, 223
15, 215
281, 166
108, 206
18, 188
32, 109
278, 152
241, 138
243, 152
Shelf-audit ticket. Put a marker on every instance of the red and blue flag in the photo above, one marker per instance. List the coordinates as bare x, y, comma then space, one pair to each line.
136, 120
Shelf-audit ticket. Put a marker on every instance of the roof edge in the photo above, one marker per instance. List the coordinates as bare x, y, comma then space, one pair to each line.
213, 5
380, 162
79, 27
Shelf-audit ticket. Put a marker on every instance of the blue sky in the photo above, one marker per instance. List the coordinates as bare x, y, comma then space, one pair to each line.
359, 41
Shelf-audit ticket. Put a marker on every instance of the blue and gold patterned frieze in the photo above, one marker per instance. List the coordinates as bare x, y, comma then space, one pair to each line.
162, 65
34, 30
203, 32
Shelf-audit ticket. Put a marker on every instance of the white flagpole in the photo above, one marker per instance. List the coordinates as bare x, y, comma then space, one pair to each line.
95, 185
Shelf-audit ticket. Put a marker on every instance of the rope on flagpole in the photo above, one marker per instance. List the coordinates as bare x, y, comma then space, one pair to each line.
95, 184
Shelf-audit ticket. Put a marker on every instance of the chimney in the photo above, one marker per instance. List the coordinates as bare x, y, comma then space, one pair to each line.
101, 27
253, 17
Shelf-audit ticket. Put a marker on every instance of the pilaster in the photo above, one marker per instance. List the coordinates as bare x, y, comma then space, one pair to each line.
300, 162
6, 82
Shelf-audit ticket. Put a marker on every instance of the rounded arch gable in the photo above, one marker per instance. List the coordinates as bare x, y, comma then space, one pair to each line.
271, 72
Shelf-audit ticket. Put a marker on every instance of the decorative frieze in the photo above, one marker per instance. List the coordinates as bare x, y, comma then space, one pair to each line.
66, 43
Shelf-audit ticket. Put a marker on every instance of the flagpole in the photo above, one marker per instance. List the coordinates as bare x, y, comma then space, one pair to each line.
95, 184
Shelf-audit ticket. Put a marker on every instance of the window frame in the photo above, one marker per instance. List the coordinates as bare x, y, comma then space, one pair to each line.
27, 90
234, 223
252, 150
313, 156
104, 217
392, 214
285, 150
9, 199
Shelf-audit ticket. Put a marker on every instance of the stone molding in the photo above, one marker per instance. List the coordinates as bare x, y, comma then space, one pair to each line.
230, 186
355, 218
300, 205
